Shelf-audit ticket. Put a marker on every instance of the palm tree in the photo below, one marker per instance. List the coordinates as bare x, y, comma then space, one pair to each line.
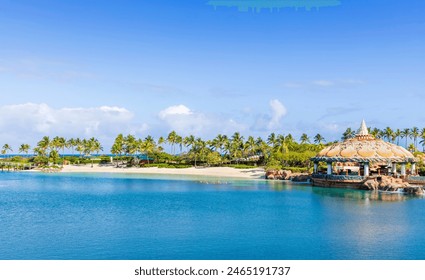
79, 147
43, 146
414, 133
280, 139
5, 149
139, 147
349, 133
86, 150
200, 148
375, 132
405, 133
189, 141
289, 139
148, 146
58, 143
55, 143
422, 142
194, 144
263, 148
411, 148
70, 144
228, 149
161, 140
250, 146
118, 148
423, 139
93, 145
179, 141
62, 145
281, 146
130, 145
225, 142
97, 147
237, 138
272, 140
39, 152
44, 143
318, 139
218, 142
173, 139
397, 134
215, 144
24, 148
388, 133
53, 155
236, 146
304, 139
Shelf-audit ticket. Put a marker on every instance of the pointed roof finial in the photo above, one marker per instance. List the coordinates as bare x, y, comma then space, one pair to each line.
363, 129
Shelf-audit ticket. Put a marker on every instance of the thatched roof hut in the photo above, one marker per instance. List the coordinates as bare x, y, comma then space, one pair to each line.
365, 149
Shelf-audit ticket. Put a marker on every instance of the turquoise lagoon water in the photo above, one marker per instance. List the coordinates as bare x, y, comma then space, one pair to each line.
107, 216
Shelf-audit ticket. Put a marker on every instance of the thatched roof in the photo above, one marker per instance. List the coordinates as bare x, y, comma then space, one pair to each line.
364, 148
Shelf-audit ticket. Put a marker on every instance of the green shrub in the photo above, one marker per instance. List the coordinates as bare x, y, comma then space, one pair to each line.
18, 159
273, 164
182, 166
104, 160
241, 166
166, 165
41, 160
297, 169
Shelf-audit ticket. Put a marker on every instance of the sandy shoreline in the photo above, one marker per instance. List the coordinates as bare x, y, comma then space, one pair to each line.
255, 173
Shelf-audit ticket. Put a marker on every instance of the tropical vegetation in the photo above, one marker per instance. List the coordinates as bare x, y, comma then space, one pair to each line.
275, 152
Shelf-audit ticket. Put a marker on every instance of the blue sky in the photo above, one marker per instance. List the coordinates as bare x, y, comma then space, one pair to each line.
97, 68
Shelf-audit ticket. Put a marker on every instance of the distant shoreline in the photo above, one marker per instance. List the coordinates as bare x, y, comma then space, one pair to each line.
228, 172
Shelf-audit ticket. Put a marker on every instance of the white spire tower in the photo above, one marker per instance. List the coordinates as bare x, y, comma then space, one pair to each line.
363, 130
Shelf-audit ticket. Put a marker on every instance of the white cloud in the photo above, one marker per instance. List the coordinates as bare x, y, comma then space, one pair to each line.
140, 129
271, 120
186, 121
29, 122
175, 110
323, 83
278, 111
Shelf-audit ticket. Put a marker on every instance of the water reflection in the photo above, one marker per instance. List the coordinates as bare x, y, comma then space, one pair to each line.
278, 185
362, 195
345, 193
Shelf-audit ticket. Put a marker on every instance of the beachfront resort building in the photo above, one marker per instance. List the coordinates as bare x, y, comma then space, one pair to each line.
352, 161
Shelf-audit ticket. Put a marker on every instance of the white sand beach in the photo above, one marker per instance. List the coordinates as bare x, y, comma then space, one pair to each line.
254, 173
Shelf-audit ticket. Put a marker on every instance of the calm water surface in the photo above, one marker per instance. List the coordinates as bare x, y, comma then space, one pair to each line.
110, 216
